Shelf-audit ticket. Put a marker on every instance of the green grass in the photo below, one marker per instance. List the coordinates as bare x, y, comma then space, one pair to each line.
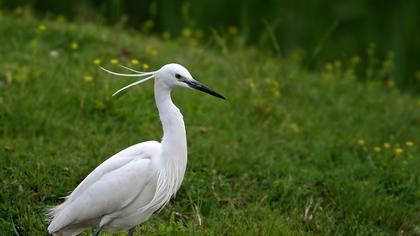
281, 156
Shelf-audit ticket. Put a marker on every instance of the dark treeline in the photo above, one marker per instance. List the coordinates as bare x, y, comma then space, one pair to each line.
325, 29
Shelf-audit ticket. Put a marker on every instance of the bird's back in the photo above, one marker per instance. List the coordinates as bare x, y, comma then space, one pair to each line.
115, 184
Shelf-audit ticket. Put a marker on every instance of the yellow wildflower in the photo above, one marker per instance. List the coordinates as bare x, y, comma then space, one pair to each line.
61, 19
145, 66
399, 151
74, 45
361, 142
377, 149
329, 67
42, 27
387, 145
97, 61
100, 105
233, 30
386, 66
186, 32
252, 85
72, 27
114, 61
390, 83
417, 75
295, 127
355, 60
152, 52
88, 78
409, 143
418, 103
166, 35
268, 80
148, 25
19, 10
134, 61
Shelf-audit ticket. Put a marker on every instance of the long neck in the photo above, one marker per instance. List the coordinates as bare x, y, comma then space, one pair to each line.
174, 141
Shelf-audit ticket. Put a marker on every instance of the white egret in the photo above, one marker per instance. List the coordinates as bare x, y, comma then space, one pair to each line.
125, 190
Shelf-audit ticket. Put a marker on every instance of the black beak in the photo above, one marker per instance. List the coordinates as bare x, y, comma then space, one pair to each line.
196, 85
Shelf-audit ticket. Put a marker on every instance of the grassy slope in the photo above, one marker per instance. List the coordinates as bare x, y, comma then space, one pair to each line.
257, 162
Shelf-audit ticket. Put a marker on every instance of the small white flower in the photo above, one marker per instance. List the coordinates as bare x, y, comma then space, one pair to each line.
54, 54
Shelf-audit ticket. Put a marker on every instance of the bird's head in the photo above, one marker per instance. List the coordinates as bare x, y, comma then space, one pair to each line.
175, 75
170, 75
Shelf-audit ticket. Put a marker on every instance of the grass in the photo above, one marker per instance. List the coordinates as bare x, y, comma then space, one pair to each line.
290, 152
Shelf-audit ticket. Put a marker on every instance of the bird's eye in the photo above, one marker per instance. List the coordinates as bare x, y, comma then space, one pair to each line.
178, 76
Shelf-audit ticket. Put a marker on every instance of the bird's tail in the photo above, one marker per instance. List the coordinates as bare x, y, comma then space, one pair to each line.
51, 212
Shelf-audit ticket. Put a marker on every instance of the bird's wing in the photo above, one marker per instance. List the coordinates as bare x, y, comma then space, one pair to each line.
110, 187
145, 150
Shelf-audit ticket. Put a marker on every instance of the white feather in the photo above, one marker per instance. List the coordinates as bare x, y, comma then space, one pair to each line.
112, 186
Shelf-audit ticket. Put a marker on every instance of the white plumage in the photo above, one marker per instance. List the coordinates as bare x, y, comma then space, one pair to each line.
129, 187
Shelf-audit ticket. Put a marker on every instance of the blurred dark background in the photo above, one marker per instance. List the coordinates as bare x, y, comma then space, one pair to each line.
324, 31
